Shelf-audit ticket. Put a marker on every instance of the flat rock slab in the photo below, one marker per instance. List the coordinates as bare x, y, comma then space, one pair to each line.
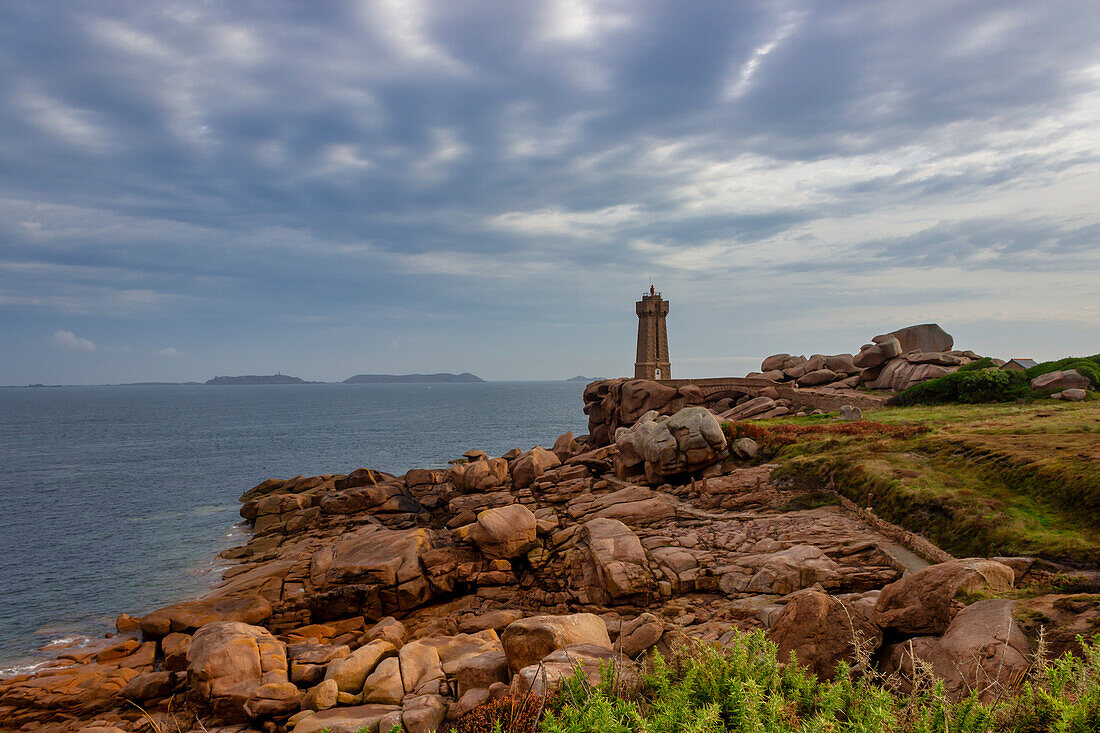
346, 720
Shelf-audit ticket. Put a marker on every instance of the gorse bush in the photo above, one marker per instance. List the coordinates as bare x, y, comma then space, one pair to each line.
742, 687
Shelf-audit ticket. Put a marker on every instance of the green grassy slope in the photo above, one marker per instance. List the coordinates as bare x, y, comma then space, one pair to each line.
976, 479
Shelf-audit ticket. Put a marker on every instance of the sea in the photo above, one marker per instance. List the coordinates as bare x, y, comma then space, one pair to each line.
118, 499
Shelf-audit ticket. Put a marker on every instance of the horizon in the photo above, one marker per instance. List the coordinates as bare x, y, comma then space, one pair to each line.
382, 187
202, 383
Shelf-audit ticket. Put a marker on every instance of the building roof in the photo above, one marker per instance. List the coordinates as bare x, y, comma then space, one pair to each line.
1025, 363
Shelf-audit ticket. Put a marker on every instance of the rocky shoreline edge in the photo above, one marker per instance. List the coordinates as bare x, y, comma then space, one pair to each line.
369, 600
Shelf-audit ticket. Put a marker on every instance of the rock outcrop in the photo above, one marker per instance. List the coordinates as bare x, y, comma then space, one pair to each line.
688, 441
893, 362
532, 464
504, 532
529, 640
614, 403
921, 603
822, 631
983, 649
369, 600
239, 671
1059, 381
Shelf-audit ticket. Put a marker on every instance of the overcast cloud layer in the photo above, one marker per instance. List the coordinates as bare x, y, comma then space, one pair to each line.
190, 189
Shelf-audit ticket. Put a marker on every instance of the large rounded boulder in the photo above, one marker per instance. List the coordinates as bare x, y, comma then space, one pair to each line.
822, 630
983, 649
528, 640
1058, 381
923, 337
483, 474
690, 440
532, 464
921, 602
505, 532
239, 671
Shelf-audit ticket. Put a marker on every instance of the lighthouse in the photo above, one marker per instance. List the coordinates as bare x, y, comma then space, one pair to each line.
652, 362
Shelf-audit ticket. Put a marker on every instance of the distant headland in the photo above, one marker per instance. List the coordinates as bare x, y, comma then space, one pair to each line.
412, 378
586, 380
442, 377
258, 379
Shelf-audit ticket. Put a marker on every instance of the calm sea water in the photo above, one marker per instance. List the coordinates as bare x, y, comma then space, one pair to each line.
117, 499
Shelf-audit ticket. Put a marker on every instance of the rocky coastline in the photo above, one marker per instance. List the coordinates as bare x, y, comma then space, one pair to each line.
368, 600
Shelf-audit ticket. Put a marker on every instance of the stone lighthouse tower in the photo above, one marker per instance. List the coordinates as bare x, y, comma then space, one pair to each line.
652, 360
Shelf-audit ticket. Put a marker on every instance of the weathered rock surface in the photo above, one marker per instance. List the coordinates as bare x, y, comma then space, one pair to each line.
406, 600
346, 719
983, 649
384, 686
240, 671
1070, 395
688, 441
925, 337
614, 403
920, 603
533, 464
384, 565
1061, 619
542, 677
878, 352
505, 532
792, 569
484, 474
848, 413
900, 374
1059, 381
639, 634
822, 630
529, 640
615, 565
350, 673
190, 615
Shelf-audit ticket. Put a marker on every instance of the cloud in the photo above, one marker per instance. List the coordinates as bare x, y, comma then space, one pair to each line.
69, 340
434, 169
170, 352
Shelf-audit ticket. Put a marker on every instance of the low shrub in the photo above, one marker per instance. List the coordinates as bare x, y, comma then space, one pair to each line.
968, 387
743, 687
506, 715
981, 381
1086, 366
984, 363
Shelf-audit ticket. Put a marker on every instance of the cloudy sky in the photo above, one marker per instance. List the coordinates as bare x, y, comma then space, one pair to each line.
328, 188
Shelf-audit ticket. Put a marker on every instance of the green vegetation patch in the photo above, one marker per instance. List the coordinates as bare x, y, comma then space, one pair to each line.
743, 687
1088, 366
968, 387
981, 381
995, 479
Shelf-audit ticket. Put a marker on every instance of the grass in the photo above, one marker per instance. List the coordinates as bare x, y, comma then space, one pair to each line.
743, 687
990, 479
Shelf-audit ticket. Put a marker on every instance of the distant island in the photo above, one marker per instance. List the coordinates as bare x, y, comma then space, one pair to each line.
258, 379
579, 378
412, 378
